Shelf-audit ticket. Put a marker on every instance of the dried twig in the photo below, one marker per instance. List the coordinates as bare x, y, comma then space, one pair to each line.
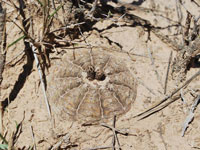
190, 116
160, 107
167, 73
115, 138
58, 144
187, 28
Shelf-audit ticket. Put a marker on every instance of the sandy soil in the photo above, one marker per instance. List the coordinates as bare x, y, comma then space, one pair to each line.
160, 131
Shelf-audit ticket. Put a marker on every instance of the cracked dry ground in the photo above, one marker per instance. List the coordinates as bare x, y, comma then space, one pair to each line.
161, 131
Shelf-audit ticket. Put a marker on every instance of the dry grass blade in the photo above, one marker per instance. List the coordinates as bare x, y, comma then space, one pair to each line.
41, 79
190, 116
65, 139
167, 73
160, 107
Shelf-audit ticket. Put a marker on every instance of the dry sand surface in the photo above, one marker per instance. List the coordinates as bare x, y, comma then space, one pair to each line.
147, 60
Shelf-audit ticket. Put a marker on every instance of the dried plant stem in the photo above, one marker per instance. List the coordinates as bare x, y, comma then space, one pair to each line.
65, 139
41, 79
161, 106
2, 57
179, 14
167, 73
190, 116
